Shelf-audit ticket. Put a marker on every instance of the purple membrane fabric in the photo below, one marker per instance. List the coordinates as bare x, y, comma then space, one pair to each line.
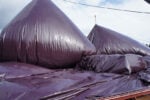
42, 34
147, 59
32, 83
107, 41
121, 64
145, 74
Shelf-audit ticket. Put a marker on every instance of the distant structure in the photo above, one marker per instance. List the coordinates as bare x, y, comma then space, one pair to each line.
95, 19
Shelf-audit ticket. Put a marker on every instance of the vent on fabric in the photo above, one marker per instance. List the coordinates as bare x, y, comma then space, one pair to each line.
107, 41
42, 34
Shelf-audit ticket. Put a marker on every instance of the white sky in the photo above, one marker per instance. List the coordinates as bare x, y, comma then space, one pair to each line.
134, 25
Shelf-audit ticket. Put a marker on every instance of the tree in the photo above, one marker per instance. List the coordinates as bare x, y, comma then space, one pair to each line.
148, 45
148, 1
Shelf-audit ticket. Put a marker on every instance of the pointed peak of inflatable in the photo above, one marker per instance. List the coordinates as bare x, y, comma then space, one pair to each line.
42, 34
108, 41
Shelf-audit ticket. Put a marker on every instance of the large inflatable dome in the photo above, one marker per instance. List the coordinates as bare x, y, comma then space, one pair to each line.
42, 34
108, 41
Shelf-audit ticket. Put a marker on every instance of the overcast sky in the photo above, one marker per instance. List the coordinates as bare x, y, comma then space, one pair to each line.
134, 25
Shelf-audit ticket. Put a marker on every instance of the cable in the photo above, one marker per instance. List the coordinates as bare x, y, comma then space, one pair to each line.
125, 10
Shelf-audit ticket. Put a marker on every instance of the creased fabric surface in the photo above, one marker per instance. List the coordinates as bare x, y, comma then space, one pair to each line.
116, 63
42, 34
108, 41
34, 84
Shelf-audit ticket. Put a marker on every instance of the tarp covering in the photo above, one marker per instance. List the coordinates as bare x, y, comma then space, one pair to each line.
40, 82
108, 41
42, 34
117, 63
